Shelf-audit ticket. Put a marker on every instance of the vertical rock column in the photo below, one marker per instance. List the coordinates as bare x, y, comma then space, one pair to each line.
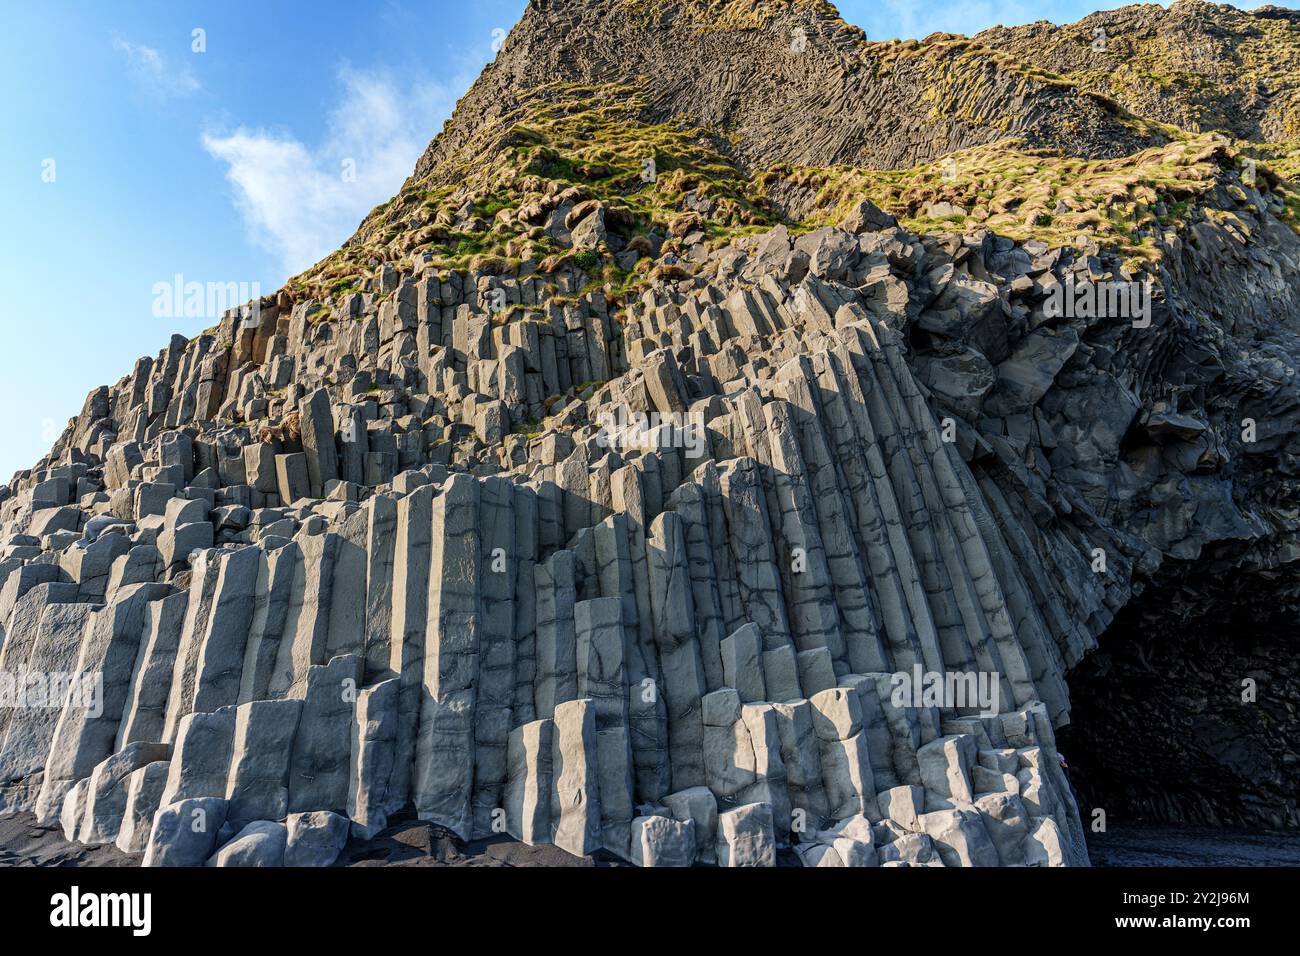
307, 625
257, 785
144, 715
852, 591
932, 554
144, 790
683, 681
575, 788
381, 533
800, 755
880, 743
968, 514
809, 598
276, 574
628, 498
87, 731
529, 782
200, 764
557, 680
1040, 616
910, 727
724, 563
977, 593
691, 505
758, 578
845, 759
444, 757
221, 657
56, 639
318, 441
374, 742
649, 733
203, 584
348, 595
525, 635
409, 621
598, 627
320, 762
882, 533
495, 688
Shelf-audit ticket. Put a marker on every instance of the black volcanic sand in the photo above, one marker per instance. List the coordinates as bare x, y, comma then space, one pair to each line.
1175, 844
410, 842
24, 842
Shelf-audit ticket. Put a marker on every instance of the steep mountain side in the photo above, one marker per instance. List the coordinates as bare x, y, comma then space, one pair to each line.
772, 92
1195, 65
789, 82
1125, 204
603, 146
619, 466
658, 181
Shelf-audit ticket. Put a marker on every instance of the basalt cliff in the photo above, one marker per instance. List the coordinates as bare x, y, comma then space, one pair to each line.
739, 441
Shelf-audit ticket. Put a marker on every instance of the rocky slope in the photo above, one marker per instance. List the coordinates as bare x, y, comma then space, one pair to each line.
1198, 66
607, 484
789, 82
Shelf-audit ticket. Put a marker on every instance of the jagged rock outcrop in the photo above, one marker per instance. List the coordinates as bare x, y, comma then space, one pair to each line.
739, 68
557, 661
1195, 65
792, 543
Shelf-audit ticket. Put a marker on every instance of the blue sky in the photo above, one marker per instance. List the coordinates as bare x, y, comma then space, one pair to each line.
131, 156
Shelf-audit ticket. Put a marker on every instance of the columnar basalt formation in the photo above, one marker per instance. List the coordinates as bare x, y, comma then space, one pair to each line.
669, 571
727, 629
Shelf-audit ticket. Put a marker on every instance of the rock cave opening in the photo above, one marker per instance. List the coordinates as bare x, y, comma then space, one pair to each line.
1188, 711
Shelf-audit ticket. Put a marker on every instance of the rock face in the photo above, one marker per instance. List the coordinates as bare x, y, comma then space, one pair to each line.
794, 546
740, 62
829, 532
1235, 68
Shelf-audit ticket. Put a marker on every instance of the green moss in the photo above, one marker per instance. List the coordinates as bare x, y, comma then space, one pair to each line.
1210, 84
603, 143
598, 140
1022, 193
529, 428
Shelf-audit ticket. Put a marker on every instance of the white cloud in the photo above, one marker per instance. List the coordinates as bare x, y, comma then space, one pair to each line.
296, 201
155, 74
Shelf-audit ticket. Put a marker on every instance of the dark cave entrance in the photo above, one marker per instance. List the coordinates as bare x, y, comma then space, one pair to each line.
1159, 729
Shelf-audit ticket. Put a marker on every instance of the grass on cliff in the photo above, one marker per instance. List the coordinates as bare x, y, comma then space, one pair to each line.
711, 15
1123, 204
592, 143
1206, 71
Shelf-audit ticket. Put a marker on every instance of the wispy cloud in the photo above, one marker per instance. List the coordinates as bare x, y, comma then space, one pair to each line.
154, 73
300, 203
